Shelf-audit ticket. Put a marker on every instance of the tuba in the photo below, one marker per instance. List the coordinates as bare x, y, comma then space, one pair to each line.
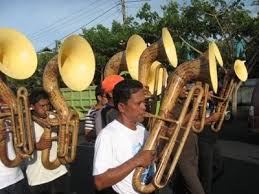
158, 74
231, 77
160, 50
202, 69
128, 59
150, 78
76, 64
157, 81
202, 108
18, 60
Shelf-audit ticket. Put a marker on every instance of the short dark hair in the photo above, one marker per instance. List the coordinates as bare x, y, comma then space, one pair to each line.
37, 95
124, 89
98, 91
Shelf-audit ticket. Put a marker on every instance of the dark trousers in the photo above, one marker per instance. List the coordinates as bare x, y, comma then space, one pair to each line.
188, 165
20, 187
57, 186
210, 164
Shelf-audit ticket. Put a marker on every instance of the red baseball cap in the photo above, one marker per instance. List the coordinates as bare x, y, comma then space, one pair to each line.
110, 81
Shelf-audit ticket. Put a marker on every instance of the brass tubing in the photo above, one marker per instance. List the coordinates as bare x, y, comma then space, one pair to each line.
168, 151
202, 112
195, 70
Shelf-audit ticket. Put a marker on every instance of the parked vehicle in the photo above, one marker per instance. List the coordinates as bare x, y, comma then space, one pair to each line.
82, 101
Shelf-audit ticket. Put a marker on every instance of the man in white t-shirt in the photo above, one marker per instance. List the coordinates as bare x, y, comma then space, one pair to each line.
117, 148
11, 178
40, 179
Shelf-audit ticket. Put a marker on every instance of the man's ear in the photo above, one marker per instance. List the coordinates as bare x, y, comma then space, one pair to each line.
121, 107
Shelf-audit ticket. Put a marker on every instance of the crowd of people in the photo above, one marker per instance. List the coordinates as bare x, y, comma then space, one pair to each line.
116, 126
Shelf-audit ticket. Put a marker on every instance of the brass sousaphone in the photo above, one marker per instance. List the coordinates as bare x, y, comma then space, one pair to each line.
158, 51
76, 64
128, 60
18, 60
214, 56
201, 69
231, 77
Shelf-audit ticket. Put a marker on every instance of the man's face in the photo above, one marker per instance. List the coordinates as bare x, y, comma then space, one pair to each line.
102, 99
41, 107
135, 108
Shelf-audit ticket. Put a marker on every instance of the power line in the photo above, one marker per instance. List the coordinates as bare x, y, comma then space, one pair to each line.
116, 5
59, 20
102, 14
66, 28
59, 25
105, 18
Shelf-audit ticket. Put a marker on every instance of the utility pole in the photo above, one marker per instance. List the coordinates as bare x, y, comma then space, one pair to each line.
123, 11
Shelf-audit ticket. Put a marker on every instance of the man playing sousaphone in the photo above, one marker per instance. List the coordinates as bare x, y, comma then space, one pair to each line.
189, 159
117, 146
41, 179
15, 184
19, 61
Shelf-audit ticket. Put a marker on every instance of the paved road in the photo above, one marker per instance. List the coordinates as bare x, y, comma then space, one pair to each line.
240, 149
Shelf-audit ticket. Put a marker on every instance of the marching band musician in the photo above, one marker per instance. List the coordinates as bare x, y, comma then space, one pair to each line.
209, 149
11, 178
117, 148
40, 179
189, 160
188, 181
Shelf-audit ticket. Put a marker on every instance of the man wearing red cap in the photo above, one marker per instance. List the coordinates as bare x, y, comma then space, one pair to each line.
108, 113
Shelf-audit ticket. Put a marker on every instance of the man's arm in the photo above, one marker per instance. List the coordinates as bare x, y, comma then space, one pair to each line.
114, 175
213, 118
89, 125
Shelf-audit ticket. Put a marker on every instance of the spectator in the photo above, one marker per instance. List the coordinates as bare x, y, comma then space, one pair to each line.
90, 116
108, 113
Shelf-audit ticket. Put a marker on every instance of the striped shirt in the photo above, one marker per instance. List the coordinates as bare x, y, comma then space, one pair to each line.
90, 119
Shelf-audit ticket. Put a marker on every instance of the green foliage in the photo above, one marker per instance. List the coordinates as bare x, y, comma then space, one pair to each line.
196, 23
148, 27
